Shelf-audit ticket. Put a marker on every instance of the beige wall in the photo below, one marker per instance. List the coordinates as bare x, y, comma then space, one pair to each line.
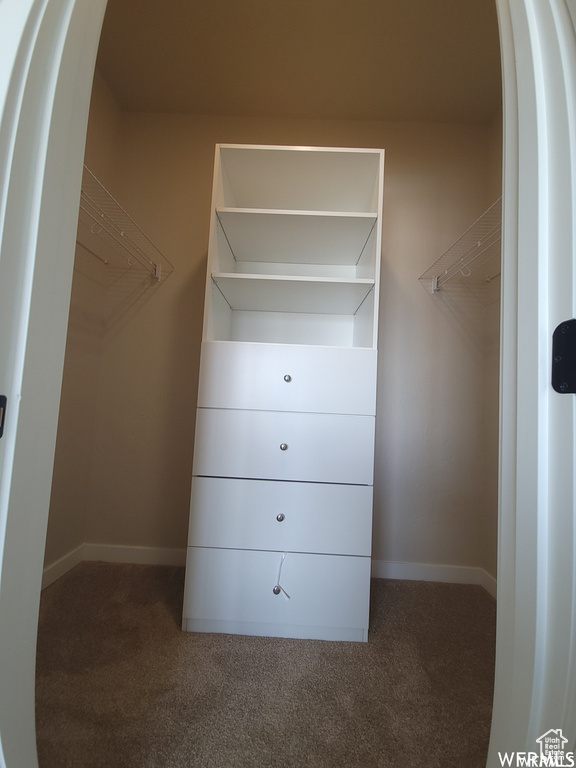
430, 490
72, 477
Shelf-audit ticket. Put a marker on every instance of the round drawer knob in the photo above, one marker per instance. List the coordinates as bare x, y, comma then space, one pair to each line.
283, 446
276, 590
280, 517
288, 378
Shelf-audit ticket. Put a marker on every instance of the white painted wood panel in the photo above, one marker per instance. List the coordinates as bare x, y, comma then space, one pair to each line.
366, 324
299, 237
322, 448
322, 380
306, 329
293, 328
347, 272
314, 517
328, 593
276, 293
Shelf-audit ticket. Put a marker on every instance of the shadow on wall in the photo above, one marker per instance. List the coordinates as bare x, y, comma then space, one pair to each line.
464, 301
124, 286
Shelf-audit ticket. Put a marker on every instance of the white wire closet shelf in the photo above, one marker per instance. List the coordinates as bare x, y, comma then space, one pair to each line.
477, 246
107, 232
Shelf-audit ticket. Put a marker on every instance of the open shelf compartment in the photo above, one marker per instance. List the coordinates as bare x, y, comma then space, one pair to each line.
263, 293
313, 179
339, 328
296, 237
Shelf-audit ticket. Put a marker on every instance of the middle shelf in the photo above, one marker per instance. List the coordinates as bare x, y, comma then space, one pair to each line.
275, 293
296, 237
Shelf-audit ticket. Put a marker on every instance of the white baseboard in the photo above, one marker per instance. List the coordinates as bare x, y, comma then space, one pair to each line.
381, 569
112, 553
62, 566
487, 581
117, 553
451, 574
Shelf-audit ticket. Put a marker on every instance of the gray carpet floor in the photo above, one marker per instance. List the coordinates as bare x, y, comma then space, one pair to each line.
119, 684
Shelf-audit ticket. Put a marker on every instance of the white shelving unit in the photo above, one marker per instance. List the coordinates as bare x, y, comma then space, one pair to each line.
283, 460
479, 245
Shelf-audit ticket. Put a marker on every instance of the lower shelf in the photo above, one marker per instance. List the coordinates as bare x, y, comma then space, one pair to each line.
231, 590
346, 326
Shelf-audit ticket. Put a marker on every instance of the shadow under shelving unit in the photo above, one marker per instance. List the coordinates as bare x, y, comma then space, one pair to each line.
107, 232
478, 246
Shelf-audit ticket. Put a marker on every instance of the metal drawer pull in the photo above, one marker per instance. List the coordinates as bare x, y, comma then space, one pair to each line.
280, 517
288, 378
279, 588
283, 446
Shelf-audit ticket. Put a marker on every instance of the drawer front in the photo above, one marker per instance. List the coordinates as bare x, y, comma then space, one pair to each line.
322, 380
313, 447
231, 590
296, 517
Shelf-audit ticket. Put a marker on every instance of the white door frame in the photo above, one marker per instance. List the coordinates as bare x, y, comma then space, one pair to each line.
536, 639
47, 54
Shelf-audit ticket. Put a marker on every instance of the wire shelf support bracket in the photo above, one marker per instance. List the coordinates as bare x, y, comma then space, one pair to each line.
106, 231
478, 245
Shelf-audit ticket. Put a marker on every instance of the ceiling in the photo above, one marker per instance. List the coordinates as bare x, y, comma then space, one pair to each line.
391, 60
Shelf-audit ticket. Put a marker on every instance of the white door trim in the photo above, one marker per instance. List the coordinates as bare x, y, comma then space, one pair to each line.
47, 55
536, 637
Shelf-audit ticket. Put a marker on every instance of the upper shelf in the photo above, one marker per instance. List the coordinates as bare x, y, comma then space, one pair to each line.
302, 178
110, 234
479, 244
311, 237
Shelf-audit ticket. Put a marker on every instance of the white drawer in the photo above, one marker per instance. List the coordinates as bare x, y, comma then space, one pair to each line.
321, 379
323, 448
231, 590
297, 517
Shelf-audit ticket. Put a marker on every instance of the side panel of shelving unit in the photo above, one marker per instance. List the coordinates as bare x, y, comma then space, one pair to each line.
377, 251
217, 318
365, 328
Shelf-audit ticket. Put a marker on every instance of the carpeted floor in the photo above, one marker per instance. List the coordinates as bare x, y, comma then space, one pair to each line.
119, 684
